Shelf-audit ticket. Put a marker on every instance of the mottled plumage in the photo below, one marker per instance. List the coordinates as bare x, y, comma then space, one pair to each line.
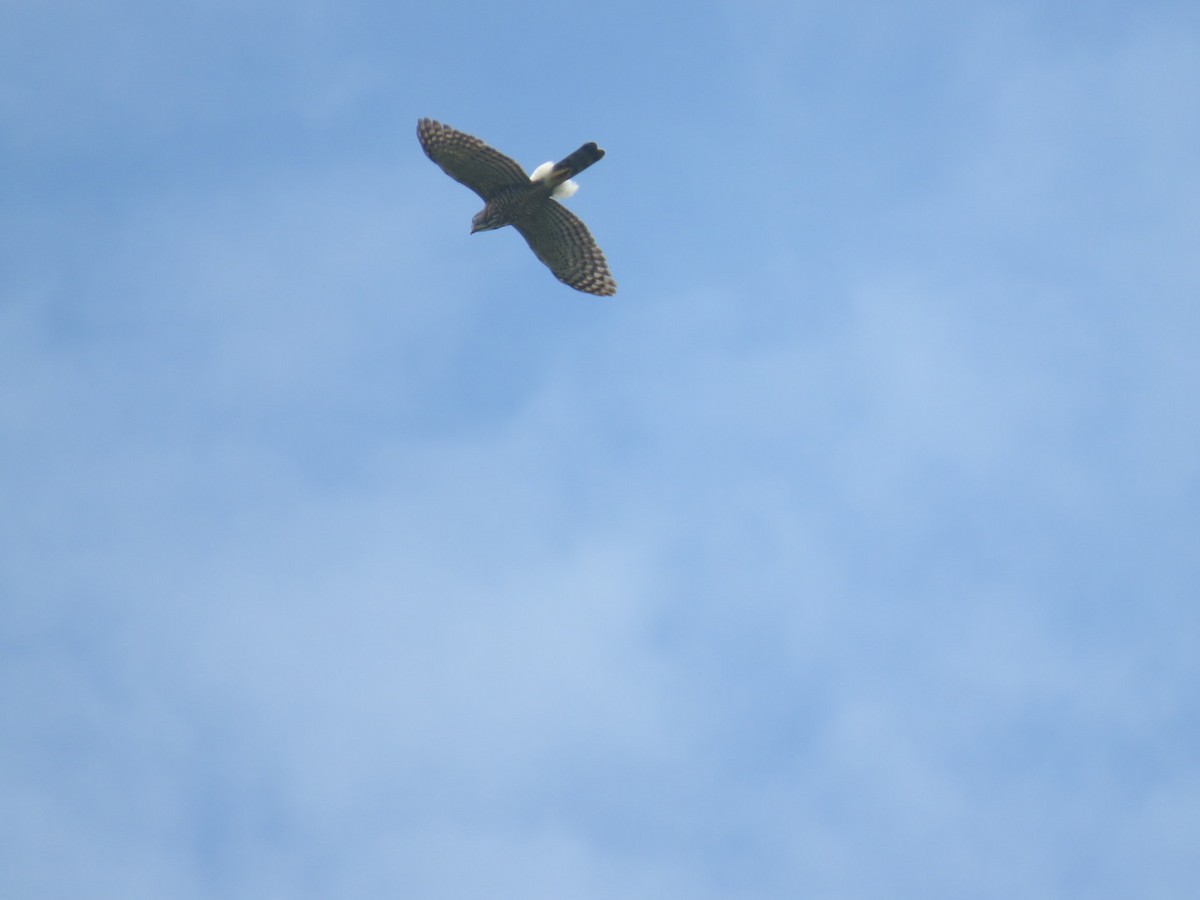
554, 233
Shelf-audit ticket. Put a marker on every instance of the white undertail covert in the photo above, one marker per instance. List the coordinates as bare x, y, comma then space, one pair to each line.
564, 190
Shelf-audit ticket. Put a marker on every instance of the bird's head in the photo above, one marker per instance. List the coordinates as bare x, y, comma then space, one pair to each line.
486, 220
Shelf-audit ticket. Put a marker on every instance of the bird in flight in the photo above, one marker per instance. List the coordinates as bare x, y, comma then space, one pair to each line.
526, 202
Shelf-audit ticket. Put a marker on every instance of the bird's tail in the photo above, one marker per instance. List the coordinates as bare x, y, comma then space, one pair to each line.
572, 165
558, 174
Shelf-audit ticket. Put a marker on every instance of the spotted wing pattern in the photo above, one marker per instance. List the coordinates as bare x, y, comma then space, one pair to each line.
468, 160
564, 244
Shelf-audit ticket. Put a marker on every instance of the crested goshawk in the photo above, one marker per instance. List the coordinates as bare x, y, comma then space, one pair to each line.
525, 202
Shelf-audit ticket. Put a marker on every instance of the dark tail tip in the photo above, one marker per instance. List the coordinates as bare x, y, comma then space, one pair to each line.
585, 156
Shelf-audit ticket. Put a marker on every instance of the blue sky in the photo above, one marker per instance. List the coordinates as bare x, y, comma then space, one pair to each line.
851, 551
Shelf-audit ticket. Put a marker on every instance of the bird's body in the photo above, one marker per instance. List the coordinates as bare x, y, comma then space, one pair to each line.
554, 233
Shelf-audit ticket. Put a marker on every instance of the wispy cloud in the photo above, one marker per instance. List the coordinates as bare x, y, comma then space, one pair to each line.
848, 550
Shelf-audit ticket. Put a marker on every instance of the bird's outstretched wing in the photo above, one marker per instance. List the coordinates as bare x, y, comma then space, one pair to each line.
565, 245
468, 160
